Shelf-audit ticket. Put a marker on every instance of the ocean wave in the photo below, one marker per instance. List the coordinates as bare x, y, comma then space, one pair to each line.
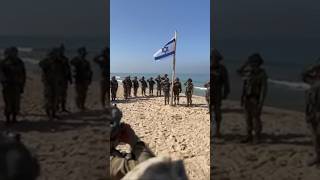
200, 88
293, 85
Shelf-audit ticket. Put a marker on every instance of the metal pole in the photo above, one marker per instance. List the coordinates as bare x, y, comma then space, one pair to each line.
174, 66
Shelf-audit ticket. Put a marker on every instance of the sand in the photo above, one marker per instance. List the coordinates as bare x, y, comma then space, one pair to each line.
282, 155
178, 132
73, 148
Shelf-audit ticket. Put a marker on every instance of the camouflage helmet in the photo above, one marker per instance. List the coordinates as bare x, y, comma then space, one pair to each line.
166, 75
177, 79
189, 80
216, 55
115, 122
113, 77
255, 59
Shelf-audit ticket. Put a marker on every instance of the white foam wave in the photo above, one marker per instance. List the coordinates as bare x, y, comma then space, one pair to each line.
293, 85
200, 88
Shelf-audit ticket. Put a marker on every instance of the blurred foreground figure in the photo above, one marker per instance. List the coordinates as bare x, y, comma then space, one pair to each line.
13, 78
253, 95
16, 162
140, 163
312, 77
221, 88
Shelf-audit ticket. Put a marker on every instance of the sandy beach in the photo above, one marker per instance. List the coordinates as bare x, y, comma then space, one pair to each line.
73, 148
178, 132
283, 154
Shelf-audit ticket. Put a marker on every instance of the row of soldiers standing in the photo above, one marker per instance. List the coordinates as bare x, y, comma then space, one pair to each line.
163, 84
56, 77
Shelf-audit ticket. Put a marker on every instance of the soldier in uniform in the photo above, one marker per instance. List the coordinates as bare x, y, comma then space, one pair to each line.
158, 81
144, 85
189, 91
102, 61
311, 76
114, 88
67, 79
221, 88
53, 79
122, 163
135, 83
177, 89
254, 94
83, 77
166, 90
151, 84
125, 87
13, 81
207, 85
129, 86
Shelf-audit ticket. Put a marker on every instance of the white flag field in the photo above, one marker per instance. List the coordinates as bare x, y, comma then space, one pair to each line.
167, 50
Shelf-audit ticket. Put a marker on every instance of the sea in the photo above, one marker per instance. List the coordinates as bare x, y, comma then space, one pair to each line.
198, 79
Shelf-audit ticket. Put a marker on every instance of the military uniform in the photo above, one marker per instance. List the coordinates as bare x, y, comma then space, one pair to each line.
158, 81
166, 90
151, 84
83, 78
67, 79
129, 86
114, 88
221, 89
312, 111
254, 93
125, 87
189, 91
207, 85
53, 79
102, 61
13, 82
144, 85
177, 89
135, 83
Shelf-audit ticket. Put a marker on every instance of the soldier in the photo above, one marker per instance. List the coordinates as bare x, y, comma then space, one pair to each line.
158, 80
189, 91
67, 79
166, 90
102, 60
53, 78
135, 83
253, 95
16, 160
177, 89
129, 86
13, 81
114, 88
83, 77
144, 85
221, 88
207, 85
151, 84
311, 76
122, 163
125, 87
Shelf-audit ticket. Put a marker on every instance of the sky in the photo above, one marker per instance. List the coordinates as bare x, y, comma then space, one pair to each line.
282, 31
139, 28
67, 18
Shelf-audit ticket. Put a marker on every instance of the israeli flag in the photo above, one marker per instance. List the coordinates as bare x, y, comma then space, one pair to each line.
166, 51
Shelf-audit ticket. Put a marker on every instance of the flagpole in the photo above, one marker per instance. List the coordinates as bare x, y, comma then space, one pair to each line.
174, 66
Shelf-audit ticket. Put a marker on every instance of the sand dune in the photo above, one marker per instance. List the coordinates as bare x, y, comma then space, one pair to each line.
74, 147
179, 132
282, 155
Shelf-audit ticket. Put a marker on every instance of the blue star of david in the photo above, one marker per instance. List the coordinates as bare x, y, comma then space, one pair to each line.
165, 49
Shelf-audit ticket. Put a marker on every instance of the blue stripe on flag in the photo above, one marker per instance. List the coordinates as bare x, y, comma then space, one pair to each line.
163, 56
173, 40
